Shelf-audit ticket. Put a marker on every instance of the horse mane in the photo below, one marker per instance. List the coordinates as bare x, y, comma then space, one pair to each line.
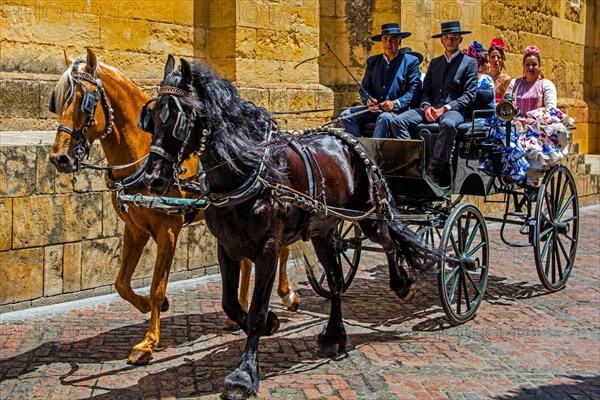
238, 128
64, 89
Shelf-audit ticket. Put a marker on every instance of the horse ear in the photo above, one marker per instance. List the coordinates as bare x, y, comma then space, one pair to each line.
91, 61
169, 66
186, 71
68, 59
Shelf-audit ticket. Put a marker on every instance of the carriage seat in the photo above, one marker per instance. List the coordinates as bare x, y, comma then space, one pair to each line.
472, 126
481, 109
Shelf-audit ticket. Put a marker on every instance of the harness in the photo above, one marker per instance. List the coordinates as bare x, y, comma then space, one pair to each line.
89, 104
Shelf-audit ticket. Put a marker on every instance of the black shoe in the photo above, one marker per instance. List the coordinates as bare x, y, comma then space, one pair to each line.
438, 172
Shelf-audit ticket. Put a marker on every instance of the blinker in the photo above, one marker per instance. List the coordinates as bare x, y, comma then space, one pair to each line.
52, 105
89, 103
145, 121
182, 126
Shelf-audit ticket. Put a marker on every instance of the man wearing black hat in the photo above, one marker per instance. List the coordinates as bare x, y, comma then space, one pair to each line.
390, 81
449, 88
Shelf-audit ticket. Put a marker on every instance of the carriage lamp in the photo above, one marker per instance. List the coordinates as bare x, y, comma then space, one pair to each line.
506, 110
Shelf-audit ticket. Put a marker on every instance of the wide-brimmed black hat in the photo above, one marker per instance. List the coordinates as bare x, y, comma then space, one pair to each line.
390, 29
408, 50
449, 28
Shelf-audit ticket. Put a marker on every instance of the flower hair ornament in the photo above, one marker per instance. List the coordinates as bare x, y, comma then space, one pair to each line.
473, 49
498, 42
532, 49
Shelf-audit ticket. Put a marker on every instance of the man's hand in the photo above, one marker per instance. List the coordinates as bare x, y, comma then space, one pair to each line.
371, 103
387, 106
432, 114
429, 114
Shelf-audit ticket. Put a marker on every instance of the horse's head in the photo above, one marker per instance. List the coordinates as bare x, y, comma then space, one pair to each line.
75, 100
173, 120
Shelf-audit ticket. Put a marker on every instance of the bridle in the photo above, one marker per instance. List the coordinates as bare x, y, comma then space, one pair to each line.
89, 103
183, 129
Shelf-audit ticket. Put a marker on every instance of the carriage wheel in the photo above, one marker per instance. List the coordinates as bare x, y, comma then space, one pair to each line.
432, 235
464, 264
348, 244
557, 228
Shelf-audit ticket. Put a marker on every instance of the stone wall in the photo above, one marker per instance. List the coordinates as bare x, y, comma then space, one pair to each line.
60, 238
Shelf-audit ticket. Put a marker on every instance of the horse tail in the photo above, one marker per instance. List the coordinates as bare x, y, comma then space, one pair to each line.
412, 250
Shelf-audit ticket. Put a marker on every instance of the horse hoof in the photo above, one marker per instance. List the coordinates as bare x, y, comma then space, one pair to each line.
235, 394
409, 296
291, 301
238, 386
138, 357
229, 325
165, 305
327, 350
272, 324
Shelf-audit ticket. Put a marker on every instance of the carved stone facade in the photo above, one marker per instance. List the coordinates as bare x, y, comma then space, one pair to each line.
261, 45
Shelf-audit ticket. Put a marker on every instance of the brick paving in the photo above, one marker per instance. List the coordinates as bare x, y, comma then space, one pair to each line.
525, 342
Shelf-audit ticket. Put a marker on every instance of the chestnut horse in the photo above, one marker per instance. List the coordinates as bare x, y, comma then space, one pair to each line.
327, 174
95, 101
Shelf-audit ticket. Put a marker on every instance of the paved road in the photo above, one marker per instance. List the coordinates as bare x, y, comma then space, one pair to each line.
525, 343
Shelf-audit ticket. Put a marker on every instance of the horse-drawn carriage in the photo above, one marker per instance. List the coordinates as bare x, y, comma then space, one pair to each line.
262, 189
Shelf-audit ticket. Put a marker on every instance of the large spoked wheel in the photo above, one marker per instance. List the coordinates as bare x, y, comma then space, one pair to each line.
557, 228
464, 264
348, 245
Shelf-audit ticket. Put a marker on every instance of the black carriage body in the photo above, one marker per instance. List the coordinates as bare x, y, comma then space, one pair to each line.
404, 164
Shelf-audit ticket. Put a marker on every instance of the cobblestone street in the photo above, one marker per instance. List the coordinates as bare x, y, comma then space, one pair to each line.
524, 343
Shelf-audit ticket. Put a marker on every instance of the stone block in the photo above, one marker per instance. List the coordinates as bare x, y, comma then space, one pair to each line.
260, 97
89, 209
100, 262
42, 220
6, 224
63, 183
327, 9
222, 13
569, 31
306, 73
171, 39
112, 225
248, 70
53, 270
19, 98
185, 13
72, 267
222, 42
256, 14
125, 34
180, 262
202, 247
22, 274
17, 175
45, 171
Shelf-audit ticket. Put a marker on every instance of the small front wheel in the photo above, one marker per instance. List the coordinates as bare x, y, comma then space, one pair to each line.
348, 240
464, 264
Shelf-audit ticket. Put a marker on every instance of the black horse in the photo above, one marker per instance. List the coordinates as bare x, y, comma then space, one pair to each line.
266, 190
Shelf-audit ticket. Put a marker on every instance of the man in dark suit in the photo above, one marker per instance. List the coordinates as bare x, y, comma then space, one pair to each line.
449, 88
390, 81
